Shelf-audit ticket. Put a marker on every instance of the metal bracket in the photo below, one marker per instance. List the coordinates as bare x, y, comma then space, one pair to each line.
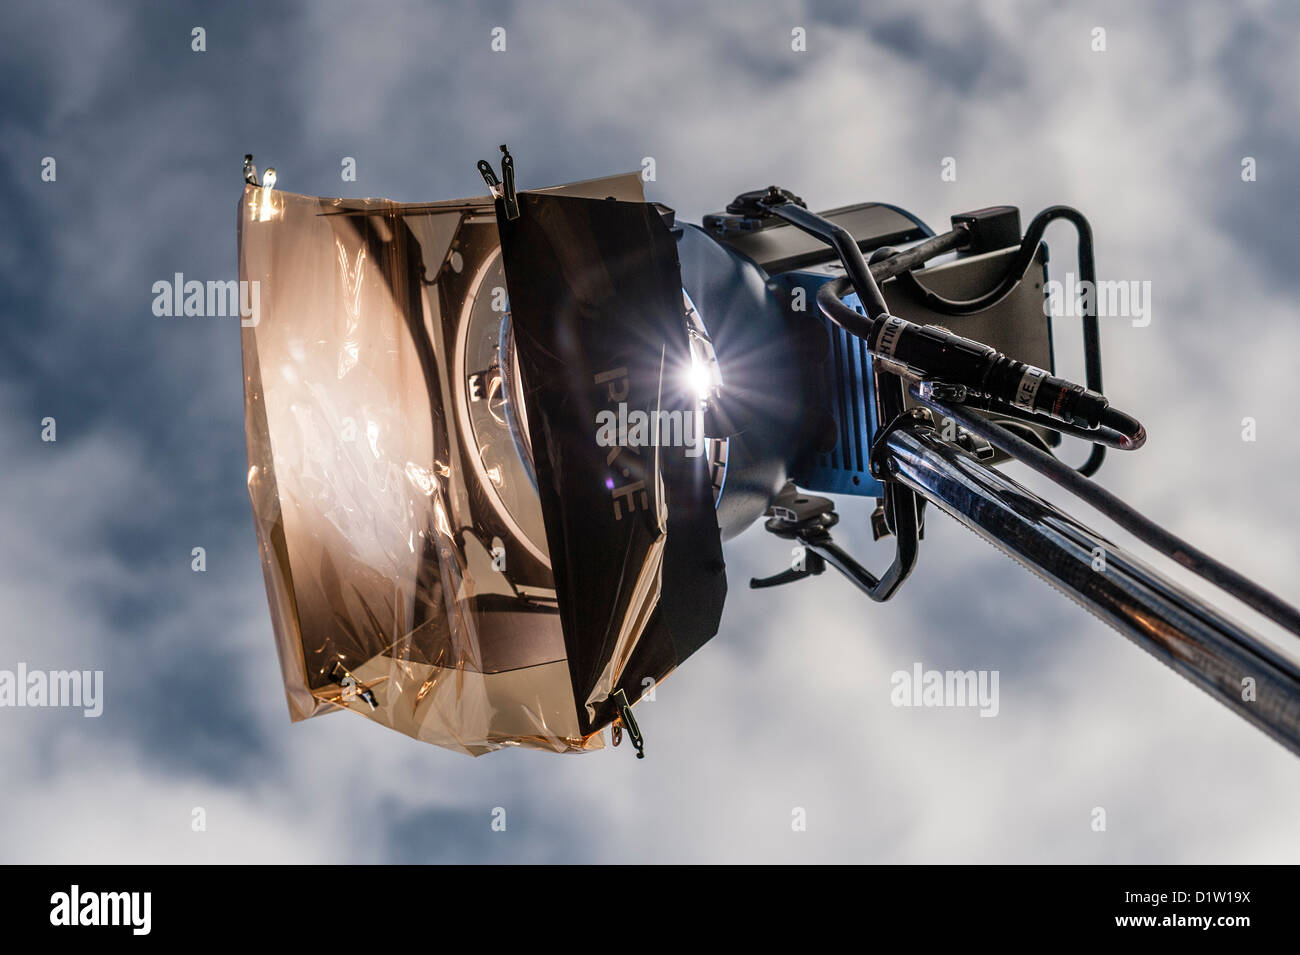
808, 519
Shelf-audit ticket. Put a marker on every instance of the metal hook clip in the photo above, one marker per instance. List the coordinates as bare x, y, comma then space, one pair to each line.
508, 177
490, 177
502, 190
250, 171
628, 721
352, 687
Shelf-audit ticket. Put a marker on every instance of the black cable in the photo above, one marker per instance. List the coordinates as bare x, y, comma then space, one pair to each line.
1019, 264
1021, 430
1134, 434
1015, 271
1142, 527
899, 262
1117, 430
845, 246
829, 300
932, 352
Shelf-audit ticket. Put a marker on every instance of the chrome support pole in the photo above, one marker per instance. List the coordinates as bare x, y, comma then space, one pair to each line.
1178, 628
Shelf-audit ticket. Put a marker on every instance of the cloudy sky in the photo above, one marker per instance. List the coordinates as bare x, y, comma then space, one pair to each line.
789, 706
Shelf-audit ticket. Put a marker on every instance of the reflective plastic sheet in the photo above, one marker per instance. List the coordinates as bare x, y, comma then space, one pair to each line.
616, 416
390, 474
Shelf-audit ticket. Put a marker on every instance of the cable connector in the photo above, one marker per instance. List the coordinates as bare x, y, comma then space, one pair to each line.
931, 351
